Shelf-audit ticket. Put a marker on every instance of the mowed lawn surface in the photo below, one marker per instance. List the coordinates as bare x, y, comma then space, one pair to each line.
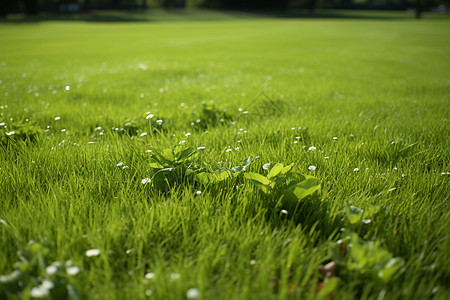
361, 104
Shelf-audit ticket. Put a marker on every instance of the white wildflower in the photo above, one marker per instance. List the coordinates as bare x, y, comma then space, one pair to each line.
92, 252
311, 168
72, 271
50, 270
146, 180
39, 292
47, 284
193, 293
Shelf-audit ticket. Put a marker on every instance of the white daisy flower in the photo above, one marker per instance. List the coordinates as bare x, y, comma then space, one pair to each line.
146, 180
72, 271
92, 252
193, 293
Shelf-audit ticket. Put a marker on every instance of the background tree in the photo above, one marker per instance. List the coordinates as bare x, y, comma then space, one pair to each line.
31, 7
4, 8
167, 4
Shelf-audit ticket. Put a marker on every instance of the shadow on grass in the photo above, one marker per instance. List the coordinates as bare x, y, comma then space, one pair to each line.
177, 15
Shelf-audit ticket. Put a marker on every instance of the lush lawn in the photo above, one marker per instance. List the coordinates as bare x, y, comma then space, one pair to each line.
371, 98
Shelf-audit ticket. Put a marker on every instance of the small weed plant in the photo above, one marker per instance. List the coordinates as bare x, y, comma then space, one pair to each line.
34, 277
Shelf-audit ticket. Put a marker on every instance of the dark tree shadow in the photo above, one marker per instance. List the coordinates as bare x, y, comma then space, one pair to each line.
174, 15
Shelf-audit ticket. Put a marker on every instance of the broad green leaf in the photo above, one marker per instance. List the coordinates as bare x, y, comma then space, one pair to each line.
392, 267
204, 178
176, 149
184, 154
289, 196
215, 168
298, 178
257, 179
286, 169
168, 155
280, 180
354, 214
160, 156
237, 169
222, 176
33, 251
333, 250
211, 178
371, 211
331, 285
13, 283
156, 165
246, 162
305, 188
360, 254
275, 170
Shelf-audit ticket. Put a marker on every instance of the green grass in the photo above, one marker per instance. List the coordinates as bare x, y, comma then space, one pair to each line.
381, 87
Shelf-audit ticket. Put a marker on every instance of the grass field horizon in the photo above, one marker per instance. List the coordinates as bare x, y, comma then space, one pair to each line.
87, 110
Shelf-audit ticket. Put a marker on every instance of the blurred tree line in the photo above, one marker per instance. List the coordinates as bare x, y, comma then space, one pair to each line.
32, 7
